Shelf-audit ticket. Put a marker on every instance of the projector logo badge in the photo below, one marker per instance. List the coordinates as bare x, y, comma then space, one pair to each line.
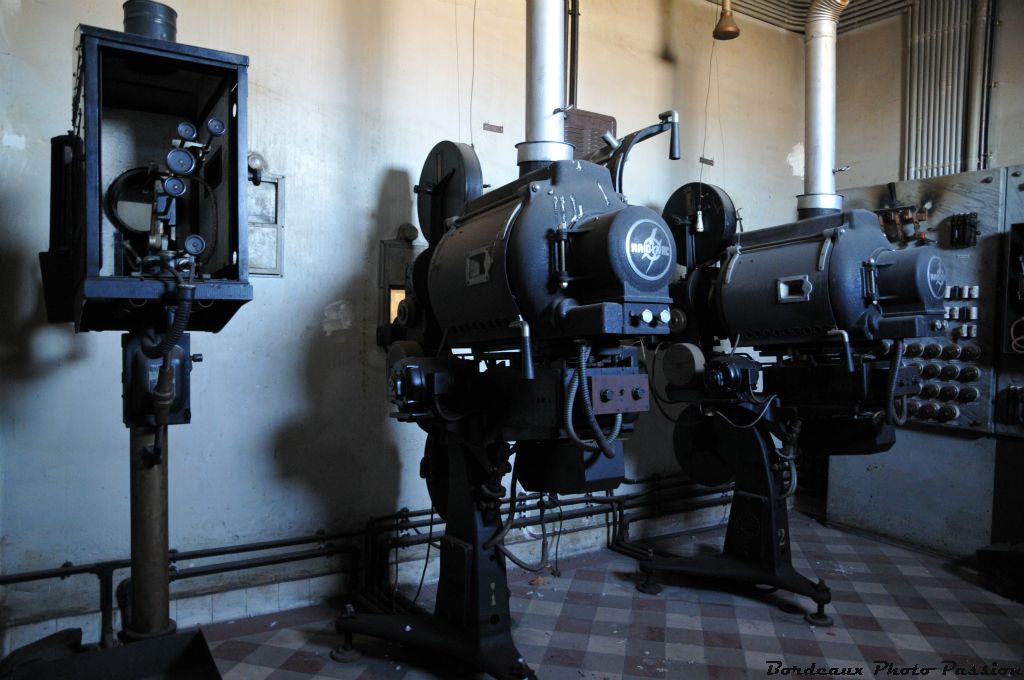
648, 250
936, 276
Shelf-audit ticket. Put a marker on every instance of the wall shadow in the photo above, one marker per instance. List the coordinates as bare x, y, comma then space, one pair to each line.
342, 449
30, 348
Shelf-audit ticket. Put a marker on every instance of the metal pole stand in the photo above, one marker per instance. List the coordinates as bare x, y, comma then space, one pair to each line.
156, 394
471, 623
756, 549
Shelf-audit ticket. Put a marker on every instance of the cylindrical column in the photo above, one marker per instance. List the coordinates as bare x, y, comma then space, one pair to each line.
150, 614
545, 85
820, 32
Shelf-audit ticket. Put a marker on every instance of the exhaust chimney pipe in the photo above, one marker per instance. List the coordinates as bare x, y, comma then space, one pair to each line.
545, 86
150, 19
820, 29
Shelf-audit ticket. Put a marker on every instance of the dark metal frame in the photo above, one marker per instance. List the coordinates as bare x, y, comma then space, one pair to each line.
89, 284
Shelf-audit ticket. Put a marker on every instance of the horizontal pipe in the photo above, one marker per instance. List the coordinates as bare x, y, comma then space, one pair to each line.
64, 572
688, 503
265, 561
181, 556
100, 567
579, 500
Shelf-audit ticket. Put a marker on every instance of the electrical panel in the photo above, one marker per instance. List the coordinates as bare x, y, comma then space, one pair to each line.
973, 375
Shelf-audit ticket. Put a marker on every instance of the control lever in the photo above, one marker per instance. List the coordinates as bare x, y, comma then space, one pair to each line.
615, 153
672, 118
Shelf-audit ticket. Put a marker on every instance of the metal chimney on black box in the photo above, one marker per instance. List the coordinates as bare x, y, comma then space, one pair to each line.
150, 19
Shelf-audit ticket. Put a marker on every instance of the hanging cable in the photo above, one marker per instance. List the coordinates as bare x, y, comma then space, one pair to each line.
472, 78
764, 410
426, 559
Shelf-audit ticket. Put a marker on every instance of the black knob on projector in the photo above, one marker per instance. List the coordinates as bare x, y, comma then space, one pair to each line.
929, 371
913, 407
949, 372
970, 353
216, 127
932, 350
187, 131
948, 412
948, 392
969, 373
929, 390
968, 394
194, 244
914, 349
928, 411
175, 186
951, 352
180, 161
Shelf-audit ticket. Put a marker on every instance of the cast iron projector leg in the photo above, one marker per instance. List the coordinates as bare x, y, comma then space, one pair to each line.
756, 552
471, 624
757, 549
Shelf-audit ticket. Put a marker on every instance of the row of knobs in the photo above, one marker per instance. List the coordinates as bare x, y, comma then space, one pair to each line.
944, 410
934, 350
931, 411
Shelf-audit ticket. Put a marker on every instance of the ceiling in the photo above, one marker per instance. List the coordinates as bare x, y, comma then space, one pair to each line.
790, 14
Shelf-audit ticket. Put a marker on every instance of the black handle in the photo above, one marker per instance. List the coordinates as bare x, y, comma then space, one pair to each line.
672, 118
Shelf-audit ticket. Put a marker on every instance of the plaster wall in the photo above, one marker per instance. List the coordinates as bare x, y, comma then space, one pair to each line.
290, 431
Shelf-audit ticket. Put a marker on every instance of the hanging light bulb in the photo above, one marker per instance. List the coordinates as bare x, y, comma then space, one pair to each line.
726, 28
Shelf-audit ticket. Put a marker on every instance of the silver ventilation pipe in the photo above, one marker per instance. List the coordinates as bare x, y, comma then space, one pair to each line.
820, 30
545, 86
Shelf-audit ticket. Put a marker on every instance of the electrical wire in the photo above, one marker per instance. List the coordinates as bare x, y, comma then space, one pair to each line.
1016, 341
704, 143
555, 571
426, 559
764, 410
472, 78
458, 69
721, 128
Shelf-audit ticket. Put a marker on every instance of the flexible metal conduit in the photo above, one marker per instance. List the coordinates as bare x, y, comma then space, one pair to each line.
820, 33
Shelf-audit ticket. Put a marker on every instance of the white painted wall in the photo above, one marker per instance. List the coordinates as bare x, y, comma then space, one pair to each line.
869, 96
290, 430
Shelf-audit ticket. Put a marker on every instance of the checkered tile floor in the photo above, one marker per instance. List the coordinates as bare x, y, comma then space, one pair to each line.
890, 605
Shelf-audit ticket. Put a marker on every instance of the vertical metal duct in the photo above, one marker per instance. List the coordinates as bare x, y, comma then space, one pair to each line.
979, 60
820, 29
945, 87
545, 86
